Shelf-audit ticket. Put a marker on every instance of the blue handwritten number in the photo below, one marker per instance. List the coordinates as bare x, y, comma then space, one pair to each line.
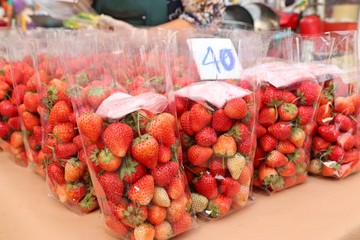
214, 61
226, 53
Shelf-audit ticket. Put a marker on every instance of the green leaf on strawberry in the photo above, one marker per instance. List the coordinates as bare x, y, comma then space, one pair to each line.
128, 167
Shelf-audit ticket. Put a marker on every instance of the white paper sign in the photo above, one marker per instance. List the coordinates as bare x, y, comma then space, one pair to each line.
215, 58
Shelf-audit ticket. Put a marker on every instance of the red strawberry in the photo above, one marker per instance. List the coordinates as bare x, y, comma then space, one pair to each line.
319, 144
271, 96
285, 147
7, 109
145, 149
260, 131
90, 125
351, 156
177, 209
181, 105
267, 116
324, 114
269, 176
288, 111
259, 156
74, 169
342, 122
185, 123
280, 130
239, 132
64, 132
206, 185
134, 215
229, 187
88, 203
142, 191
216, 168
308, 92
4, 130
344, 105
245, 146
30, 120
60, 113
161, 128
346, 141
164, 173
107, 161
183, 224
75, 191
287, 170
200, 117
221, 122
144, 231
336, 153
206, 137
297, 137
245, 177
65, 150
236, 108
176, 188
299, 157
329, 133
225, 146
118, 138
131, 170
164, 154
55, 173
17, 95
305, 114
14, 123
31, 102
199, 155
163, 230
156, 214
276, 159
96, 95
115, 225
289, 97
220, 206
112, 185
268, 142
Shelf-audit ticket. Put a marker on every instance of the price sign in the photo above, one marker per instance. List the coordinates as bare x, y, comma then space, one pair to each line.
215, 58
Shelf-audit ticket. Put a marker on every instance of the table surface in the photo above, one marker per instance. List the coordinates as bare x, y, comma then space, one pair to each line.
321, 209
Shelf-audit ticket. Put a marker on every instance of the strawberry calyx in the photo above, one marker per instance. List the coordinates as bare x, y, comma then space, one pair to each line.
134, 215
276, 182
75, 161
106, 155
300, 169
94, 156
74, 186
82, 79
51, 97
89, 202
188, 140
213, 209
96, 91
235, 133
128, 167
140, 139
173, 149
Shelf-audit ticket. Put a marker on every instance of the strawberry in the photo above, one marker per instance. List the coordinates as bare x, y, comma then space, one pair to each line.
259, 156
267, 116
16, 140
206, 137
65, 150
344, 105
145, 149
268, 142
343, 122
176, 188
221, 122
115, 225
336, 153
90, 125
235, 165
288, 112
181, 105
260, 130
134, 215
225, 146
280, 130
199, 155
245, 176
55, 173
200, 117
163, 231
246, 145
346, 141
131, 171
64, 132
18, 93
271, 96
7, 109
289, 97
351, 156
96, 95
236, 108
14, 123
241, 197
186, 124
220, 206
308, 92
199, 202
329, 171
276, 159
268, 176
324, 114
74, 169
177, 209
161, 128
75, 191
297, 137
164, 173
206, 185
142, 191
164, 154
216, 167
4, 130
329, 133
239, 132
89, 202
156, 214
315, 166
287, 170
305, 115
118, 138
285, 147
31, 102
107, 161
319, 144
60, 113
161, 198
229, 187
112, 185
30, 120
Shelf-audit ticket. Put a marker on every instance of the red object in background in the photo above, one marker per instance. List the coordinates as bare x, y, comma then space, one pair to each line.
289, 20
339, 26
3, 24
310, 25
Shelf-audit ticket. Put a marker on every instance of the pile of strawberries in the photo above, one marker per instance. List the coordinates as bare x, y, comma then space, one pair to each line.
284, 129
218, 146
335, 148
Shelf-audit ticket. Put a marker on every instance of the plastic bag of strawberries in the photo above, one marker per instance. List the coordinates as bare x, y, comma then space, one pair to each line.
217, 120
130, 138
11, 75
335, 149
59, 156
288, 102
